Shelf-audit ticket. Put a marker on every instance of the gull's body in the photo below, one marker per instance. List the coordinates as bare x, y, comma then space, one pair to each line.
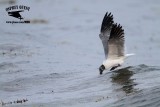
109, 63
112, 36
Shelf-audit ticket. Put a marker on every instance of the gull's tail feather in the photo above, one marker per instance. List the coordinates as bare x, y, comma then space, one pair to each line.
128, 55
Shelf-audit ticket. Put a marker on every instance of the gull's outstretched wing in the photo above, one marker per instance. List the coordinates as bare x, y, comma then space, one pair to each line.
106, 27
116, 42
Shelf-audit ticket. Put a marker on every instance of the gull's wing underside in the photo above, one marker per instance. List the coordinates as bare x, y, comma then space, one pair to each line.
106, 27
116, 42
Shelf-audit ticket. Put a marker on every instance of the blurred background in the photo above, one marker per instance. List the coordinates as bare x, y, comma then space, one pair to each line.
54, 59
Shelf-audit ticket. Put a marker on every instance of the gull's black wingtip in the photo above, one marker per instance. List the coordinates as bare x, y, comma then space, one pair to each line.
107, 22
117, 32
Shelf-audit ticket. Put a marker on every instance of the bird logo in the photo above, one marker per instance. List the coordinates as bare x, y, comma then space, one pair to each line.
16, 14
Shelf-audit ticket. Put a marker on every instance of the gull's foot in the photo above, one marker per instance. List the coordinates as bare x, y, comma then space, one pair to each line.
114, 67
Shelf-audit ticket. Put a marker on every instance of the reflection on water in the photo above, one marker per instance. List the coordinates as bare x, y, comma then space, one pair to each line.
142, 81
123, 78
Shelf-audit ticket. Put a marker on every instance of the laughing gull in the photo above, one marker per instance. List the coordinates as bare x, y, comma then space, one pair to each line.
112, 36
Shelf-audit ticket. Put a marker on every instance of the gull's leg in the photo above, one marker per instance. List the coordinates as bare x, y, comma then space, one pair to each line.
114, 67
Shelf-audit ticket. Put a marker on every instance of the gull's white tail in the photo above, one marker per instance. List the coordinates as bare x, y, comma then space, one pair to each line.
127, 55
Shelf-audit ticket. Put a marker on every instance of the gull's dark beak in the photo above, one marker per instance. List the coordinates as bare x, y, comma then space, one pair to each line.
101, 69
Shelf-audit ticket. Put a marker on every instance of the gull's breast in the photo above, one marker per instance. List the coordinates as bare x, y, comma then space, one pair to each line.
112, 62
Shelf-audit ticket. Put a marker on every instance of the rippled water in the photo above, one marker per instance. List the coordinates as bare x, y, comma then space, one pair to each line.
131, 86
54, 60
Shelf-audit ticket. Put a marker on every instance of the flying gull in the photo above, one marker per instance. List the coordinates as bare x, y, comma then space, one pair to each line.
112, 36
